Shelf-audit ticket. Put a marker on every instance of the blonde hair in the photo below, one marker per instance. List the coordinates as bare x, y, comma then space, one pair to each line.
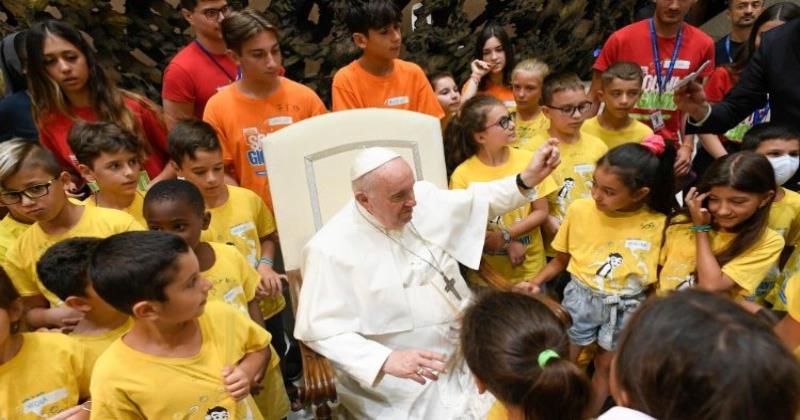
532, 65
15, 152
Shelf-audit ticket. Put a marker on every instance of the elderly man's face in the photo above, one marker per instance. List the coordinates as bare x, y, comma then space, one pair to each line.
390, 199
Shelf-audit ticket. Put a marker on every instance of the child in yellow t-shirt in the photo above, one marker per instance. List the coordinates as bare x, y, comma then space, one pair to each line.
621, 89
42, 374
32, 183
565, 104
183, 357
517, 349
725, 245
12, 226
513, 247
781, 147
526, 83
110, 160
610, 246
176, 206
63, 270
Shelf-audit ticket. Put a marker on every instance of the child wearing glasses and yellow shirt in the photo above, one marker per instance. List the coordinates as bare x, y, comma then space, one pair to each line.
32, 184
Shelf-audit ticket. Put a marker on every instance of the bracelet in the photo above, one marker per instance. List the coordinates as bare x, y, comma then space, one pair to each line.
266, 260
700, 228
521, 183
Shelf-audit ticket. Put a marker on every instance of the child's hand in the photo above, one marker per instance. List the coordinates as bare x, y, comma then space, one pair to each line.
270, 284
493, 242
64, 318
694, 202
236, 382
480, 68
516, 253
526, 288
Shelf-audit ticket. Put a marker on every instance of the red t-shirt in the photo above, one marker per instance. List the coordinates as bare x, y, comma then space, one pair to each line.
53, 135
193, 77
632, 43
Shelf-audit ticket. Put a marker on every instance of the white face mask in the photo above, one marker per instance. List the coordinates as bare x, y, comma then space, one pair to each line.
785, 166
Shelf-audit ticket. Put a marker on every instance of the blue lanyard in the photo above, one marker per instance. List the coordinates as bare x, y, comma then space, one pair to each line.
728, 48
662, 82
210, 56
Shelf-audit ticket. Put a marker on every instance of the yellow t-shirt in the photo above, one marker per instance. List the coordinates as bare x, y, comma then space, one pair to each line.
526, 131
135, 209
97, 344
792, 298
195, 384
497, 412
634, 132
22, 257
241, 222
473, 170
48, 375
784, 218
611, 253
574, 175
234, 280
777, 296
678, 258
10, 230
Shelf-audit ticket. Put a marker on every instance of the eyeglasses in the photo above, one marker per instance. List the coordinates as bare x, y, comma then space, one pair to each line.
213, 14
504, 122
582, 108
32, 192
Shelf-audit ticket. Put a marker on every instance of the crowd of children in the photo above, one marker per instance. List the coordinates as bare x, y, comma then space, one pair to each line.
109, 262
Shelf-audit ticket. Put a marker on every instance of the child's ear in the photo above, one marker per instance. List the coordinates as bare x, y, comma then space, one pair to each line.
768, 196
479, 383
187, 14
360, 40
86, 172
175, 166
232, 55
545, 110
64, 177
206, 219
78, 303
15, 311
641, 193
146, 310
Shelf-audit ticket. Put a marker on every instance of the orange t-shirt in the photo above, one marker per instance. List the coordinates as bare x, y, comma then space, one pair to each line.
406, 87
503, 93
241, 122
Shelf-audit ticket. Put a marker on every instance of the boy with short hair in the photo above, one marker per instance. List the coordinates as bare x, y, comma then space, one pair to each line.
379, 79
259, 103
184, 358
176, 206
565, 103
109, 158
781, 146
63, 271
32, 183
621, 89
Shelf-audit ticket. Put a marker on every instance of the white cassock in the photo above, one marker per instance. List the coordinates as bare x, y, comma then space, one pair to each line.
365, 295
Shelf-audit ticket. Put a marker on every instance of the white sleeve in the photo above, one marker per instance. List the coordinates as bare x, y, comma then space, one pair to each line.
355, 355
503, 195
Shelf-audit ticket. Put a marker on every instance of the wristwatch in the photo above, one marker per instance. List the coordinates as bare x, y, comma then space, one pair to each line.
521, 183
506, 236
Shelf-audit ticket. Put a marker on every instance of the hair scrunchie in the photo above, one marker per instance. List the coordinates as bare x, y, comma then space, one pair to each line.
655, 144
545, 357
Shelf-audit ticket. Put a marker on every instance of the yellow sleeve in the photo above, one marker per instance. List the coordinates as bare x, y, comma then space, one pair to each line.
457, 179
238, 333
15, 267
250, 277
561, 240
546, 187
82, 363
793, 237
108, 401
750, 268
265, 223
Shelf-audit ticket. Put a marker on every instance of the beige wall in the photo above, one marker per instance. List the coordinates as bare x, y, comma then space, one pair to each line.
721, 25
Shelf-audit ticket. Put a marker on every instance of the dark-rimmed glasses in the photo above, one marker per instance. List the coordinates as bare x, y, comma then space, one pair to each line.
213, 14
32, 192
582, 108
504, 122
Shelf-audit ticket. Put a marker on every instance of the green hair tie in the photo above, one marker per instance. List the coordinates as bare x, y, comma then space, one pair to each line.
545, 357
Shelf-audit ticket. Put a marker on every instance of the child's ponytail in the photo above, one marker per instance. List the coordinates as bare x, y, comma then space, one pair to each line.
517, 347
459, 136
649, 164
560, 391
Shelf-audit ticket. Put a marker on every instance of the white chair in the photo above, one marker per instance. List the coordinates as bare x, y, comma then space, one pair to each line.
308, 164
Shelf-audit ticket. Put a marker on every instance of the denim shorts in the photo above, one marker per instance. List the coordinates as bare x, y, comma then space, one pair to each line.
597, 316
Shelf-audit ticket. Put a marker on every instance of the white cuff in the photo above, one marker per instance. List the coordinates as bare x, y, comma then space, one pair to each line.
702, 121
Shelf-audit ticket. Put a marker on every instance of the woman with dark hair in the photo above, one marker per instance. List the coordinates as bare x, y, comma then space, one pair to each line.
726, 77
696, 356
67, 83
492, 66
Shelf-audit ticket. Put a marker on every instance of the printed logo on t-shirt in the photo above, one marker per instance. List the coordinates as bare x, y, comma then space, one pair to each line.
217, 413
282, 120
397, 101
255, 158
679, 64
230, 298
36, 404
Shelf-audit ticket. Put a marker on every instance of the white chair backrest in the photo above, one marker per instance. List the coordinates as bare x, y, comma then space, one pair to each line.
309, 165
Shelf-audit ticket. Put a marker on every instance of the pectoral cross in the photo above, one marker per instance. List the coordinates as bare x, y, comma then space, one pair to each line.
450, 286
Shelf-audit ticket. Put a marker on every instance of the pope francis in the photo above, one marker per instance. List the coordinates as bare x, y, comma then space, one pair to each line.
382, 293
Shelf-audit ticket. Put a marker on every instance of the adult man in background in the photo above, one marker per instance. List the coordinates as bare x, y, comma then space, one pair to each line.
742, 13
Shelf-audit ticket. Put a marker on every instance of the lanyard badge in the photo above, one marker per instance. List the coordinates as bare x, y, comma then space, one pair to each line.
656, 118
